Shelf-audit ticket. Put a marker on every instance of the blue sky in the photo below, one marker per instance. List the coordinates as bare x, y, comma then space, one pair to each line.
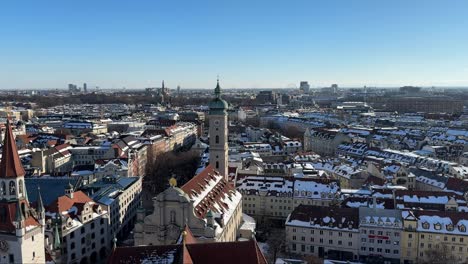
249, 43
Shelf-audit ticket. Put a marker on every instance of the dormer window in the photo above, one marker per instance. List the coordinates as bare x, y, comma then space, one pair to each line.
425, 225
437, 226
462, 228
449, 227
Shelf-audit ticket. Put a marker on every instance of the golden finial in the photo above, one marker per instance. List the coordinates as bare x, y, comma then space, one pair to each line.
172, 182
184, 236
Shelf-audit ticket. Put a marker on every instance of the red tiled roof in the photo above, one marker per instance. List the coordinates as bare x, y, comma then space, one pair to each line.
10, 210
245, 252
200, 182
10, 166
458, 185
64, 203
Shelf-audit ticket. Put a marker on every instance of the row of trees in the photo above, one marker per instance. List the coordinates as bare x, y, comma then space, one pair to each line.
181, 165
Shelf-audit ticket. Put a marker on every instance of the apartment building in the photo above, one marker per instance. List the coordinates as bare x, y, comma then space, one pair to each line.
76, 229
87, 155
120, 196
56, 160
323, 232
324, 142
273, 198
434, 235
380, 234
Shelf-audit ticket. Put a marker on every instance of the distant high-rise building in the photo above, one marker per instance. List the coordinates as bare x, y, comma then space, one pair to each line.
334, 88
178, 89
85, 87
264, 97
304, 86
73, 88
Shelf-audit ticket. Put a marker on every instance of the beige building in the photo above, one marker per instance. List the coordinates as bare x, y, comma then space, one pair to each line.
56, 160
323, 232
324, 142
431, 234
87, 155
273, 198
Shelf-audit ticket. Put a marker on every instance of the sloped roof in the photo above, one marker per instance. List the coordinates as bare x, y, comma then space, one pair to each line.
458, 185
245, 252
64, 203
209, 190
10, 166
309, 215
10, 212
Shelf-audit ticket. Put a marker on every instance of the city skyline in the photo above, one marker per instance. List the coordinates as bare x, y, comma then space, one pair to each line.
250, 45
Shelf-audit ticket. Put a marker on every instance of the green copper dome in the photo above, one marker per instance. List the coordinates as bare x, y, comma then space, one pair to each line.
218, 105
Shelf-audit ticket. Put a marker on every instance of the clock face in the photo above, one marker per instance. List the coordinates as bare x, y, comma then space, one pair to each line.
216, 123
3, 246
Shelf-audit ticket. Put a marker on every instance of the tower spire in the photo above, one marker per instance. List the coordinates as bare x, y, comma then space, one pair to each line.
19, 217
218, 88
10, 166
40, 204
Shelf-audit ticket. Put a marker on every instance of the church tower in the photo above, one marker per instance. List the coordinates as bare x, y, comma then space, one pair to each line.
219, 133
21, 231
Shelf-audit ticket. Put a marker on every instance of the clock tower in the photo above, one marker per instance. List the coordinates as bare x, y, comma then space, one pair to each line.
219, 133
21, 227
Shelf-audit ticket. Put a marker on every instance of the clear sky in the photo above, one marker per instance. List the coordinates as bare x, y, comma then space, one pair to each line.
249, 43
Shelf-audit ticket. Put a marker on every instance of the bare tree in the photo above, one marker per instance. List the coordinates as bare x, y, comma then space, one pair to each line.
440, 254
182, 165
275, 242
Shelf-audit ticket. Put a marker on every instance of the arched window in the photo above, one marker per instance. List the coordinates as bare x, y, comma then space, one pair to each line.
3, 215
23, 208
3, 191
173, 217
12, 188
217, 139
20, 187
217, 165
